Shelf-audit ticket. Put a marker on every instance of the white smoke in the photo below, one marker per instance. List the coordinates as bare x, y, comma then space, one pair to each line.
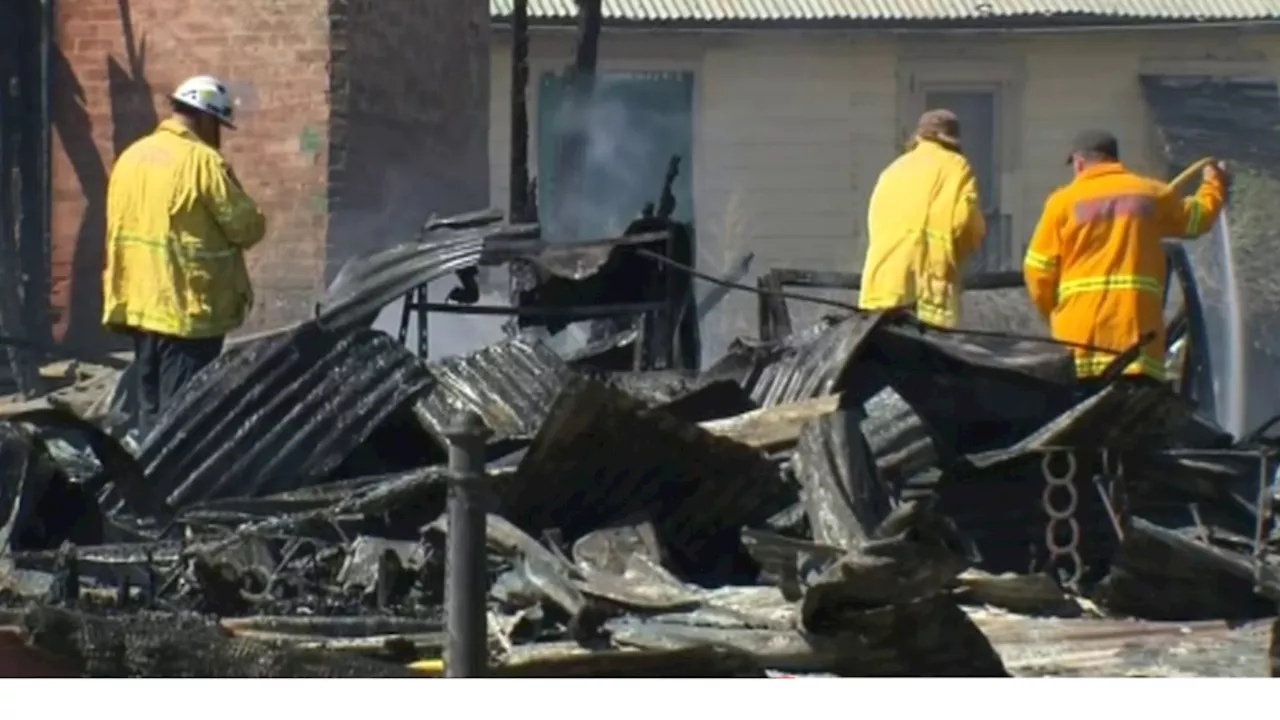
623, 164
451, 334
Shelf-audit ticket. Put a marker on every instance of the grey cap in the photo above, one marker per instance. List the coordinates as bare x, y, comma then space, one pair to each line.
1100, 142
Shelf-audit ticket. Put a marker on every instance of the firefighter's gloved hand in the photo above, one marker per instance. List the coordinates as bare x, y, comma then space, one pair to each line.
1218, 169
469, 291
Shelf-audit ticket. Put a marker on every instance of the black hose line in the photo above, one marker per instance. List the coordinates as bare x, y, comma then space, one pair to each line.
664, 260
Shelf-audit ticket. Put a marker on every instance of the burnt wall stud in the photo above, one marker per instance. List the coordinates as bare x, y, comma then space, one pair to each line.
466, 651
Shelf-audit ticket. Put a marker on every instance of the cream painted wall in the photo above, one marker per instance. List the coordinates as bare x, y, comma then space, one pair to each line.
791, 129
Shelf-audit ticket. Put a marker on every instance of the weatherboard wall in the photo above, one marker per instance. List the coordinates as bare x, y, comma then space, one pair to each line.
791, 129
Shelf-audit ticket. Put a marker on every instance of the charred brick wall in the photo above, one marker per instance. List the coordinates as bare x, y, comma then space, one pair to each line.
410, 126
349, 110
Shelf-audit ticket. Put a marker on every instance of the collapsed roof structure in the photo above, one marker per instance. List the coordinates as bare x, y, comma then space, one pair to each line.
858, 497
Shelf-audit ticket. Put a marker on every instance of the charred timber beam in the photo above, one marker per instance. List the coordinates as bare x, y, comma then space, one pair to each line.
571, 161
587, 52
466, 618
519, 198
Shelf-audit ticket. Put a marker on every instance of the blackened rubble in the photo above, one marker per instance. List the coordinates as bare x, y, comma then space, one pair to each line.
863, 497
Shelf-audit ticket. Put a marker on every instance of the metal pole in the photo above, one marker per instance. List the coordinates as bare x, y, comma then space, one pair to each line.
518, 203
466, 652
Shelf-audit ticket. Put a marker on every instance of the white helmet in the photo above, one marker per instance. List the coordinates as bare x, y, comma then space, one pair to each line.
206, 94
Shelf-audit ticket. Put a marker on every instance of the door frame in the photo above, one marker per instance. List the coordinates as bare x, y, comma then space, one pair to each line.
916, 106
938, 67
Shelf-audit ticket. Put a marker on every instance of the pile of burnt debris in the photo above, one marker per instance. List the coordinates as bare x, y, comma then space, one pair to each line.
868, 496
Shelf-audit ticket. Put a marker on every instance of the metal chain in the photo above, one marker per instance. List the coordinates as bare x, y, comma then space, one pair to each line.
1065, 558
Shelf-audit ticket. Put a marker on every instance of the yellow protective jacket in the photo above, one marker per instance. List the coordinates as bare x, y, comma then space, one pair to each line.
178, 224
1096, 266
923, 223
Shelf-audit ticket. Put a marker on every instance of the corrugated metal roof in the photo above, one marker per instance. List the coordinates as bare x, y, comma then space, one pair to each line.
882, 11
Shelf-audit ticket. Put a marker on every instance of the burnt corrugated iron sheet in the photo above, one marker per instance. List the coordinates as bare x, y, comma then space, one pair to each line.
1001, 510
603, 457
1118, 647
809, 366
997, 496
958, 380
25, 471
511, 385
898, 438
926, 637
1170, 575
666, 11
1122, 415
843, 495
368, 283
684, 393
1006, 353
278, 414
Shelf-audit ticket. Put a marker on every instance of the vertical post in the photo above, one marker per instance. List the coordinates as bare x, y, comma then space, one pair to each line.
424, 341
518, 203
466, 653
571, 161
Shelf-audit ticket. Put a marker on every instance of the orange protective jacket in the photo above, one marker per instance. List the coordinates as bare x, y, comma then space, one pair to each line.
1096, 265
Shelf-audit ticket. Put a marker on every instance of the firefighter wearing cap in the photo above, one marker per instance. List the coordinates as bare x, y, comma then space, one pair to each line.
178, 224
1095, 267
924, 222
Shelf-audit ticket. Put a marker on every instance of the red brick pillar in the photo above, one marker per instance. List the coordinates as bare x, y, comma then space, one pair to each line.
337, 95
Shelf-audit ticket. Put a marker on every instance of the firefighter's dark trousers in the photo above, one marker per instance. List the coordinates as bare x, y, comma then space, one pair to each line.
162, 365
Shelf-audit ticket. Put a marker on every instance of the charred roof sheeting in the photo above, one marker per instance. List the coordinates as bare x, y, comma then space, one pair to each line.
115, 465
842, 492
684, 394
898, 439
1040, 359
287, 414
511, 385
953, 379
366, 284
1166, 575
809, 368
569, 261
1001, 510
25, 471
928, 637
1122, 415
602, 457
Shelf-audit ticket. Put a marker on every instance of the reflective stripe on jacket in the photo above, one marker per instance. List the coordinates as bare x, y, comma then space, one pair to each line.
923, 223
1096, 266
178, 224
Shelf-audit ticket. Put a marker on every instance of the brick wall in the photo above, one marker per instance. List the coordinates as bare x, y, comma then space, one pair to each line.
392, 122
410, 119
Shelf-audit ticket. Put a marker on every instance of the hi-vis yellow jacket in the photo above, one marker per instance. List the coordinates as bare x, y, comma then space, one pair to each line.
1096, 265
923, 223
178, 224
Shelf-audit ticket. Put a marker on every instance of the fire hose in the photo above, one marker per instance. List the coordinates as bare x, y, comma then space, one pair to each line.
800, 297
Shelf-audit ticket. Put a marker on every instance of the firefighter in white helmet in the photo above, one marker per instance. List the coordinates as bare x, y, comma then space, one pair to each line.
178, 225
